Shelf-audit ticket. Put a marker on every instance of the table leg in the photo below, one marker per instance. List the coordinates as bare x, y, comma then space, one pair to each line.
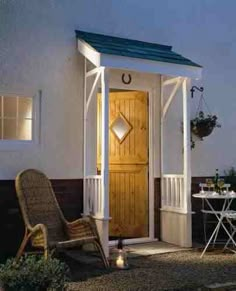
213, 234
225, 247
220, 219
229, 235
215, 213
233, 233
216, 235
224, 207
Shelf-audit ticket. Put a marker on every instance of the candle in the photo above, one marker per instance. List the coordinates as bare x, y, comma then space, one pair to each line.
120, 262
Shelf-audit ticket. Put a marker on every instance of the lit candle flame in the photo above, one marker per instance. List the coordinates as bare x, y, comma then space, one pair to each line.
120, 262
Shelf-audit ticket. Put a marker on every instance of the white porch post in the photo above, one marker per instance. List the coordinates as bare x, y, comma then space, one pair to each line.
176, 216
103, 223
162, 139
187, 163
105, 143
85, 204
186, 149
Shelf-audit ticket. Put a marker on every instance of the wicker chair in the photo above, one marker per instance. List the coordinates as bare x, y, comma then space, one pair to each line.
45, 224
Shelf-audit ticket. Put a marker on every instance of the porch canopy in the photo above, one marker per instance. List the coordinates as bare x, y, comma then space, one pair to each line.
116, 52
102, 53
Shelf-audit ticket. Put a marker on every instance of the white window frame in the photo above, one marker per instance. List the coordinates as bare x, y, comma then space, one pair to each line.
14, 145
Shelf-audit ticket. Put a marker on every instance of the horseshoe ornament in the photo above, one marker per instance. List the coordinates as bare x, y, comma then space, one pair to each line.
127, 82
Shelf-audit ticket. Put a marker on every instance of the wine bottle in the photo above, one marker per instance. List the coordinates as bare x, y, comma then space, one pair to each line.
216, 181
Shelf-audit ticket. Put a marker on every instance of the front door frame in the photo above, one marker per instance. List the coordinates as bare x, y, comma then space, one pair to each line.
152, 97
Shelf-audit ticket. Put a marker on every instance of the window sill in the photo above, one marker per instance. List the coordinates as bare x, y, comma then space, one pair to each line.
15, 145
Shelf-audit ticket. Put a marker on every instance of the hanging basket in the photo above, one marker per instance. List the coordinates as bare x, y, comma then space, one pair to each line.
201, 130
202, 125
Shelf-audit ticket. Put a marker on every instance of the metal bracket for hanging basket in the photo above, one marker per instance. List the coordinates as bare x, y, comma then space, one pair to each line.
192, 90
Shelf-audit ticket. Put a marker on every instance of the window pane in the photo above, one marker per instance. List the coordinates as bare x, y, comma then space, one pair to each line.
24, 129
9, 106
25, 107
9, 129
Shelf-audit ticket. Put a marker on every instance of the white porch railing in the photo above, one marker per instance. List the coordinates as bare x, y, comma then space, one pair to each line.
93, 195
173, 192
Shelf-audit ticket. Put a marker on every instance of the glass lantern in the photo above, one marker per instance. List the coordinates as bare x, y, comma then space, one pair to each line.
121, 261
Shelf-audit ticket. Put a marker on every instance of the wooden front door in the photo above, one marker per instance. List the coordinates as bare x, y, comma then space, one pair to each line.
128, 163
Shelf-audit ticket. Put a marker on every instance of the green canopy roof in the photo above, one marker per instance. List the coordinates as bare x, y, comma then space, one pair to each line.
132, 48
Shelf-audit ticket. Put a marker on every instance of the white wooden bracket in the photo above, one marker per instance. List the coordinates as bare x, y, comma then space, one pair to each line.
170, 81
178, 82
93, 89
92, 72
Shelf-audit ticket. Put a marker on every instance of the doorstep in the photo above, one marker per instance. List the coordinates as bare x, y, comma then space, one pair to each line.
153, 248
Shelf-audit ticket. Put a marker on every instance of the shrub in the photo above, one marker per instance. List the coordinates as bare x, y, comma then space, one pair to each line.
230, 177
33, 273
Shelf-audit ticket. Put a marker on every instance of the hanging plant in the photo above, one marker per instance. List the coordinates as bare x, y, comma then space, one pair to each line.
202, 125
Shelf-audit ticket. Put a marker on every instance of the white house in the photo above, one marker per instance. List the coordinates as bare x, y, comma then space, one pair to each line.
94, 91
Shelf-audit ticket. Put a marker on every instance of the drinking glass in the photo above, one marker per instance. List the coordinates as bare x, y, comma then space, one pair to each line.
209, 184
220, 184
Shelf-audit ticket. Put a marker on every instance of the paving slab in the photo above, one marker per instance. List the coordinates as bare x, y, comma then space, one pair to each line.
153, 248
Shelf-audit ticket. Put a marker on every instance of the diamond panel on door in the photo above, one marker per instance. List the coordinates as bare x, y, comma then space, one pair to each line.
120, 127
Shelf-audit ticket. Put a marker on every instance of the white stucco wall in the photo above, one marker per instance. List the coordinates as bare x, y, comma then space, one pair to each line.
38, 52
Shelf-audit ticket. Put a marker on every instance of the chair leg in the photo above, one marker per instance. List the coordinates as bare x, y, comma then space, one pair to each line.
100, 250
45, 253
45, 247
204, 226
53, 252
23, 245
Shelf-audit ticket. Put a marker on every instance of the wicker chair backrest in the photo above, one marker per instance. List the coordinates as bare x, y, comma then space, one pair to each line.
38, 203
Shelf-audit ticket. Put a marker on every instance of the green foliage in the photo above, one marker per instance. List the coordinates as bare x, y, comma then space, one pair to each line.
231, 172
209, 120
33, 273
230, 177
202, 125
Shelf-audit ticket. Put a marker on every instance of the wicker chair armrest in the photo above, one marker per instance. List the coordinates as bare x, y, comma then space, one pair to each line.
82, 227
76, 222
39, 235
37, 227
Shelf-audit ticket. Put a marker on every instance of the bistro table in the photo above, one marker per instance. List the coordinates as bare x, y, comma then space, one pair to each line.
227, 198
